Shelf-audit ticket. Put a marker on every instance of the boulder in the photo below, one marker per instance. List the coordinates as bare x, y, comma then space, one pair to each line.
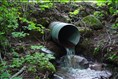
92, 22
75, 61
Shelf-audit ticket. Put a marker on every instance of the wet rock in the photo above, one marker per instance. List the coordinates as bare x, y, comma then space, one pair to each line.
76, 61
92, 22
97, 66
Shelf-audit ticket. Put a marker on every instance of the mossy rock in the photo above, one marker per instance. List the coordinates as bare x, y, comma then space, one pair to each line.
85, 31
92, 22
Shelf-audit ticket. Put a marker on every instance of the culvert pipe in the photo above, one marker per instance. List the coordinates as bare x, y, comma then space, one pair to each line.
64, 34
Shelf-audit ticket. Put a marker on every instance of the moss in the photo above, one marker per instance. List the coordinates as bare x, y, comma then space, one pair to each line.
92, 22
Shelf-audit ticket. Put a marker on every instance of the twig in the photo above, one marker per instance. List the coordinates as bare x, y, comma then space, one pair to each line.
20, 71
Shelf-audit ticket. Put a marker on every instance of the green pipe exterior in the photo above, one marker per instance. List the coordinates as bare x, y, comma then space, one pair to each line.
64, 34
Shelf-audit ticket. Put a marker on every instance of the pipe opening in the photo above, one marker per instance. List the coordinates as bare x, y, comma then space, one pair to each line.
69, 36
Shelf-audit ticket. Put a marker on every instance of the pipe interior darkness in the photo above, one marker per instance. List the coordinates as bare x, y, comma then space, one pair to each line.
68, 35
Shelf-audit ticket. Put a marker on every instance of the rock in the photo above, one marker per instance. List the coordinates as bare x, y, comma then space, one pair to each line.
97, 66
85, 31
92, 22
76, 61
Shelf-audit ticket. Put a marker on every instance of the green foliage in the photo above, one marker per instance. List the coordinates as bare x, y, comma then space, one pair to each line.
112, 57
112, 4
11, 20
113, 7
34, 47
17, 62
19, 34
75, 12
40, 61
33, 26
4, 74
115, 26
98, 14
113, 11
8, 21
46, 5
3, 39
100, 3
96, 50
36, 61
15, 54
8, 18
3, 66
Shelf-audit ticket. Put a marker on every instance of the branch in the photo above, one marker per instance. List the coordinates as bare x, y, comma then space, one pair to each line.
20, 71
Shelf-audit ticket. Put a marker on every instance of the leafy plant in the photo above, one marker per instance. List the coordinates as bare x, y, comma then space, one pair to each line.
8, 18
33, 26
115, 26
45, 5
75, 12
37, 61
113, 11
8, 21
96, 50
36, 47
17, 62
112, 57
101, 3
98, 14
4, 74
41, 61
19, 34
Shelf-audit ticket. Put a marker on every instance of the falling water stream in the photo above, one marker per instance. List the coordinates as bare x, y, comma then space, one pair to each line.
70, 49
70, 52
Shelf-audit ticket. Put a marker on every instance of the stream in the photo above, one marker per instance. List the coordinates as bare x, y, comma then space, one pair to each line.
78, 67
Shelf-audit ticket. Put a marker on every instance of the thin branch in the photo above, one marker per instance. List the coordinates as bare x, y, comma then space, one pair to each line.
19, 72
